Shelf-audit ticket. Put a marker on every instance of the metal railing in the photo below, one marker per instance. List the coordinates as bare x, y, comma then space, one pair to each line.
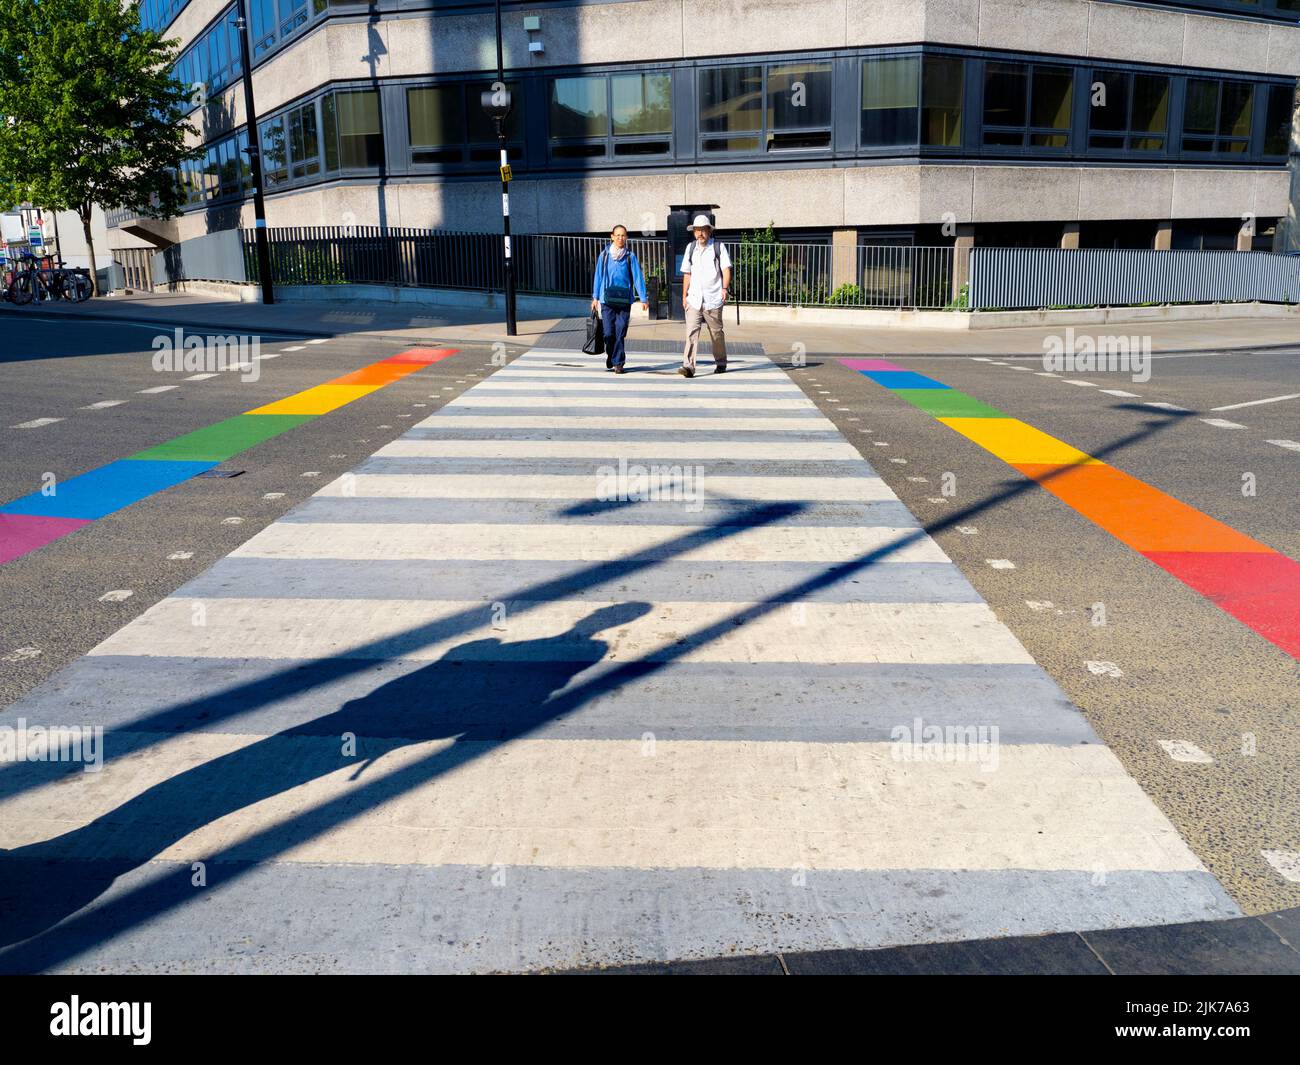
1016, 278
334, 255
137, 267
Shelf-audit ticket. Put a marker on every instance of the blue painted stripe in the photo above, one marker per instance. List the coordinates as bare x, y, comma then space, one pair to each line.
901, 379
106, 489
140, 698
511, 581
476, 919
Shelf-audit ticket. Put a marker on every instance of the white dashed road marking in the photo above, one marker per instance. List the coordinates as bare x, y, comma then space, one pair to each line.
116, 595
36, 423
156, 389
200, 377
1104, 669
1222, 423
1287, 864
1000, 563
1184, 751
180, 556
1257, 402
1121, 393
1290, 445
22, 654
1163, 406
104, 404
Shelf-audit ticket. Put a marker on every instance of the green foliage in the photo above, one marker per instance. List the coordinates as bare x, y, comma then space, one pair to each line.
962, 302
756, 277
847, 295
94, 114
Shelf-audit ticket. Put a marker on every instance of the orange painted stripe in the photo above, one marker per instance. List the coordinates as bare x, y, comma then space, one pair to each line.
1135, 513
378, 373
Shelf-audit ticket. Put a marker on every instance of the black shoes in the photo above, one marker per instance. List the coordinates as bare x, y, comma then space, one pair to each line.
719, 369
685, 372
619, 369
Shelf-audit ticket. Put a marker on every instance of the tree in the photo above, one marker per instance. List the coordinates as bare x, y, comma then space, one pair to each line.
91, 112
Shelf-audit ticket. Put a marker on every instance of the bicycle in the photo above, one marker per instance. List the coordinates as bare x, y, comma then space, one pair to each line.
33, 281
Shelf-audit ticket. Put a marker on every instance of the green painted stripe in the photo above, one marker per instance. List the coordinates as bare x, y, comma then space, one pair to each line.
218, 442
948, 403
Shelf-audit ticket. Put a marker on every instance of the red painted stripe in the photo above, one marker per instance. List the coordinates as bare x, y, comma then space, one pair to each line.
1261, 590
422, 355
21, 533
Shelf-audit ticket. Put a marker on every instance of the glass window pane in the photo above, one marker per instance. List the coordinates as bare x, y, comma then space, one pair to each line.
1006, 94
731, 144
942, 85
1235, 111
1053, 93
274, 156
798, 95
1202, 106
578, 108
330, 130
889, 100
1147, 144
361, 131
1150, 103
304, 144
731, 100
1108, 100
1277, 126
643, 103
481, 128
435, 117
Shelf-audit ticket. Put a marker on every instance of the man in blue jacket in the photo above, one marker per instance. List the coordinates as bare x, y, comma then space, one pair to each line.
618, 278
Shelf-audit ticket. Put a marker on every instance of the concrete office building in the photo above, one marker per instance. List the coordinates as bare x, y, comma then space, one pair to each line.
1013, 122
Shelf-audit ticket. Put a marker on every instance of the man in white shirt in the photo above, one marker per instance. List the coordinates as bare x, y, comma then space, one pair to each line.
706, 280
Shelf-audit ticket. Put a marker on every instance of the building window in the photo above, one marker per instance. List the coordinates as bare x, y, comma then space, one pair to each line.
212, 61
447, 124
611, 116
1027, 105
911, 100
304, 142
1128, 112
221, 173
274, 20
772, 108
158, 14
275, 154
1217, 116
353, 129
1277, 119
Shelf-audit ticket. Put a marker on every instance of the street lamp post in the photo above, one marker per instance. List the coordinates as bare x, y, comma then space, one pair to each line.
496, 103
254, 157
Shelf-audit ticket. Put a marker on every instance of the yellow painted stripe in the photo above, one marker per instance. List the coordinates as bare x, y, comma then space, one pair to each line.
1014, 442
319, 400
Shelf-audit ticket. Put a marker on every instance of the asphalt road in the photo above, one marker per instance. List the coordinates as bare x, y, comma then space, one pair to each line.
1188, 671
53, 607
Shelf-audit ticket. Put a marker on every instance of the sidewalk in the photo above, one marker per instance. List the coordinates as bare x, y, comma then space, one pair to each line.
414, 324
503, 698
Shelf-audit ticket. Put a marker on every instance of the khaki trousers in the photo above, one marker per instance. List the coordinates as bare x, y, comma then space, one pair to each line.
695, 320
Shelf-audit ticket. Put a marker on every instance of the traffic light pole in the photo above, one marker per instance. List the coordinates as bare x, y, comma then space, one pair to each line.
512, 328
254, 157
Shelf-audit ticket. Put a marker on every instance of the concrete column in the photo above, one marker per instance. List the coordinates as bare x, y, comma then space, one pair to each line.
1164, 235
965, 240
844, 258
1070, 235
1246, 234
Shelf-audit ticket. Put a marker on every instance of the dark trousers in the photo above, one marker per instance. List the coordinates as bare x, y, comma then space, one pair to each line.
615, 320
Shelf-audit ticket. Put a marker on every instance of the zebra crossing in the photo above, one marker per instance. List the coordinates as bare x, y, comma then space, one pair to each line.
580, 670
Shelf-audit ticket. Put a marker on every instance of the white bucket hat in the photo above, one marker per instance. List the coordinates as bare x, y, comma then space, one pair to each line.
701, 222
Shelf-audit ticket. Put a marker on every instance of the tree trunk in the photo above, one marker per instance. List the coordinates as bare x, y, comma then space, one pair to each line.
86, 214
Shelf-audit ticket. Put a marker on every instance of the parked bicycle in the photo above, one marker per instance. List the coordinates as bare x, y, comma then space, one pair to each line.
31, 281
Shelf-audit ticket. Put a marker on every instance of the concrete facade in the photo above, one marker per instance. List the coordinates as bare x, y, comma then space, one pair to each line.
353, 50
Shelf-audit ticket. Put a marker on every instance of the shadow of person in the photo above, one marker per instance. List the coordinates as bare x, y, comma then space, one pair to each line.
483, 690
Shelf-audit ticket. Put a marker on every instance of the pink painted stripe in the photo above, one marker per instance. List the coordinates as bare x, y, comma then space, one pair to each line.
867, 365
21, 533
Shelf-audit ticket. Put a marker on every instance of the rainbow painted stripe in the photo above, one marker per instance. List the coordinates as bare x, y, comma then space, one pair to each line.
37, 519
1258, 586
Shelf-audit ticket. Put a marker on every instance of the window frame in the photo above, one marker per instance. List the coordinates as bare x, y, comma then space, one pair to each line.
764, 133
609, 141
922, 57
1127, 132
1249, 152
1028, 130
466, 92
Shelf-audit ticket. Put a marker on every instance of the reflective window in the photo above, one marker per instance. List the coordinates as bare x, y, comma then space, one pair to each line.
1128, 111
354, 131
1278, 118
1027, 105
211, 63
909, 100
777, 107
1217, 116
603, 116
447, 124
